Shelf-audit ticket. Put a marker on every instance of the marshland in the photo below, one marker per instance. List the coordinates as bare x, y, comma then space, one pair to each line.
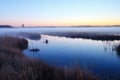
60, 53
59, 39
15, 66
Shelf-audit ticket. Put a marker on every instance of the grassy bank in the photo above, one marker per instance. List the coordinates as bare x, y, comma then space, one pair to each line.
15, 66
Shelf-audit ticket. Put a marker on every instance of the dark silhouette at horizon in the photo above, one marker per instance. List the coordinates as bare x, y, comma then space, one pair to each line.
5, 26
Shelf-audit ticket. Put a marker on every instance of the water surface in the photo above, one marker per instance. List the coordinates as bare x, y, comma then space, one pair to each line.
97, 56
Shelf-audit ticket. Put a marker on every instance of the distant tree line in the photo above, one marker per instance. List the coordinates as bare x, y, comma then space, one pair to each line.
5, 26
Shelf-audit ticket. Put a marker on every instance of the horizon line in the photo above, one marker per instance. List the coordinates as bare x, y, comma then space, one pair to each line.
59, 25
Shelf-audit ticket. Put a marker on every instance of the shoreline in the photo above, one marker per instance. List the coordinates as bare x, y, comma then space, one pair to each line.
82, 26
15, 66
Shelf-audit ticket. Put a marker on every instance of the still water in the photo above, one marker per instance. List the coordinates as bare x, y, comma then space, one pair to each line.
95, 55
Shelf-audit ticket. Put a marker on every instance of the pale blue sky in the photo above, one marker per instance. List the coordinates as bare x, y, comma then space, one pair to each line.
59, 12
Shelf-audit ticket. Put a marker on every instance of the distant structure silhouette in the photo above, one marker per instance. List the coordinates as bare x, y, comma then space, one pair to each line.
23, 25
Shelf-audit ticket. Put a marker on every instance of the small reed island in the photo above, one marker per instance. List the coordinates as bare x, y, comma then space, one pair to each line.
15, 66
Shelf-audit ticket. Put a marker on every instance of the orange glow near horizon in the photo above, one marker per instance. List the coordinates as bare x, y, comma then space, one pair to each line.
72, 23
68, 22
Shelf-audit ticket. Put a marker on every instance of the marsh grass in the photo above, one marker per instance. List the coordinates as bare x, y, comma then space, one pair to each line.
15, 66
118, 49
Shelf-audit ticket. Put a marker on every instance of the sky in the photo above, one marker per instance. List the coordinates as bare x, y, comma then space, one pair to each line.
59, 12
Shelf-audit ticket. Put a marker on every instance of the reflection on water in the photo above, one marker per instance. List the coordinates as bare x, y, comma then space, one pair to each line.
99, 56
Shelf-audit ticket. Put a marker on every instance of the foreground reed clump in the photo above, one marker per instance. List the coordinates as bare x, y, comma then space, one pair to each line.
118, 48
15, 66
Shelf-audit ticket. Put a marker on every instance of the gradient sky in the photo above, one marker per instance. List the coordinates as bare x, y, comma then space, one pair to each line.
59, 12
